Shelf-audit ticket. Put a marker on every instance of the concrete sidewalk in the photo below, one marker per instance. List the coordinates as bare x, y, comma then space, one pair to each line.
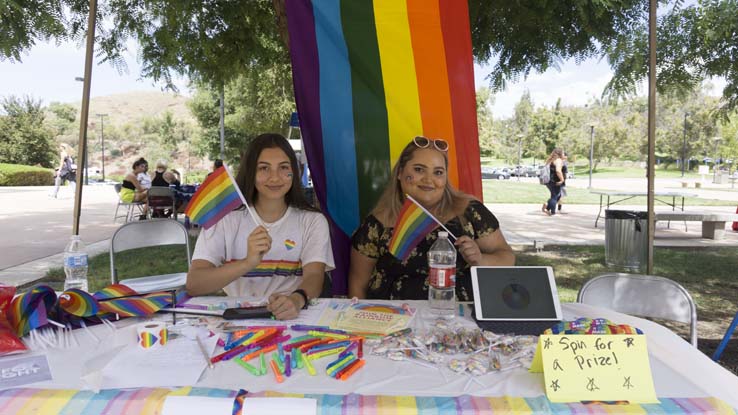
522, 224
36, 228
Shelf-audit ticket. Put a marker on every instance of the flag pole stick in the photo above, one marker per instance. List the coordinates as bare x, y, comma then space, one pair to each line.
431, 215
256, 220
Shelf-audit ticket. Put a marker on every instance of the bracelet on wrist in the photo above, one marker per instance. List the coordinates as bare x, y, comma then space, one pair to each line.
304, 296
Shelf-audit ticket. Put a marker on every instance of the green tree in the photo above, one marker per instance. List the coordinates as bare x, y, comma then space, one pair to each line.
520, 37
547, 127
695, 42
24, 139
63, 117
258, 101
485, 122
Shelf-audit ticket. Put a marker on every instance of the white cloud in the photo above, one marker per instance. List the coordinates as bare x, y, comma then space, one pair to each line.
574, 84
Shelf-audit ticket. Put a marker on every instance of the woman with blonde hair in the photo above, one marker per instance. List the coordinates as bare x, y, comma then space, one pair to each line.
555, 163
421, 172
65, 171
161, 169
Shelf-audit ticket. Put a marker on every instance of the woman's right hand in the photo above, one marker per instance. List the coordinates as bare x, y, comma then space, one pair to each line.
259, 243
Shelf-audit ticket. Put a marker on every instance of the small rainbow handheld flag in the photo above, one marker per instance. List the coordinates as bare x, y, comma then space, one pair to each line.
413, 223
215, 198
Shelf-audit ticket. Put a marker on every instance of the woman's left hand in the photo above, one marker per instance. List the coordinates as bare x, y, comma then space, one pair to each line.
284, 307
469, 249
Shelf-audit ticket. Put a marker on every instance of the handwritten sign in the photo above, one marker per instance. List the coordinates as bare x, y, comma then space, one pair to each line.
611, 367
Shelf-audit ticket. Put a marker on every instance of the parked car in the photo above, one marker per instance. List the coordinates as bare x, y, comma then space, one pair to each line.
497, 174
524, 171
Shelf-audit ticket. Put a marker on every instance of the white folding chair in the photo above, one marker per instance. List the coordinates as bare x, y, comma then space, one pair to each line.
131, 208
141, 234
643, 296
161, 199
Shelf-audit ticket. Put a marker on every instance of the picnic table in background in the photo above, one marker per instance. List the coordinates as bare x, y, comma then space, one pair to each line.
612, 197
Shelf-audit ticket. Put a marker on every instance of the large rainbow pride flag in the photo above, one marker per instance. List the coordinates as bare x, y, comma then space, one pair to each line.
369, 76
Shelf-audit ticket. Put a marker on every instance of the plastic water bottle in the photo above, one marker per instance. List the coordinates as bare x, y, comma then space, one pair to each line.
442, 278
75, 264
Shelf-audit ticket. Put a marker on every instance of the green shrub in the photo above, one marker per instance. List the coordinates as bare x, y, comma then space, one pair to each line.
19, 175
195, 176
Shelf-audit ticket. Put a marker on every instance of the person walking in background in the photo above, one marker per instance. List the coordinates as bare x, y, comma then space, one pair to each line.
555, 163
565, 171
65, 171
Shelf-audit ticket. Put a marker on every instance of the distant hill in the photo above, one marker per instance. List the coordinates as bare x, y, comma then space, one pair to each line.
132, 106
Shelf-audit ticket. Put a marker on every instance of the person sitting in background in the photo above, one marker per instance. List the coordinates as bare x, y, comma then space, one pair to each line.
161, 169
173, 177
143, 178
159, 204
218, 163
132, 190
422, 172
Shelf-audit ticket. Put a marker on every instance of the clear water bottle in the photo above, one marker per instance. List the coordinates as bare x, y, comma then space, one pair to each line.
75, 264
442, 278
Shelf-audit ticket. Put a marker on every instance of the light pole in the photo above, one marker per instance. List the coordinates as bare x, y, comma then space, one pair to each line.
102, 143
684, 144
520, 142
715, 160
591, 152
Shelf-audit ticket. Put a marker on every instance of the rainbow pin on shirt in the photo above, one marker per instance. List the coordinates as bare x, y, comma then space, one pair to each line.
289, 244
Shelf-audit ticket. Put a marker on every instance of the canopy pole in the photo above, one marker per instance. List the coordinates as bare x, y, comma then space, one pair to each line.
651, 128
82, 147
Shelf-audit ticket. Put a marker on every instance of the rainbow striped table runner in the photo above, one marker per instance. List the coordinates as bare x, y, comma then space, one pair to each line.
147, 401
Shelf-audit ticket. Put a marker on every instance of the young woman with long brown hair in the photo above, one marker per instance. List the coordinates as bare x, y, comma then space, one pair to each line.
280, 254
421, 172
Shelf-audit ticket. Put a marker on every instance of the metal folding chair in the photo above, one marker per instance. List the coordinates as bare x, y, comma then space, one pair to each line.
643, 296
130, 208
161, 199
142, 234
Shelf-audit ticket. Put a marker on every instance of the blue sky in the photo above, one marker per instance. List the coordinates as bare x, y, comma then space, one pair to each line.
48, 71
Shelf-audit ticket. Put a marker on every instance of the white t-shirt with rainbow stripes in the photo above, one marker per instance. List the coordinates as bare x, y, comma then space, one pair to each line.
299, 237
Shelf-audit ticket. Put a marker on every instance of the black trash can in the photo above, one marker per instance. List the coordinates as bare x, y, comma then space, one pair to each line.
626, 239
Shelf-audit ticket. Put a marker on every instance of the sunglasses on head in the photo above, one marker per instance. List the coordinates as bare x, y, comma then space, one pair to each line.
424, 142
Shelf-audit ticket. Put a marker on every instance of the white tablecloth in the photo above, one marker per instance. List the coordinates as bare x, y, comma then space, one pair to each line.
679, 370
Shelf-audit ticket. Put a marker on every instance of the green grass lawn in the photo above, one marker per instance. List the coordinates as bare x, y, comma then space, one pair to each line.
130, 264
513, 191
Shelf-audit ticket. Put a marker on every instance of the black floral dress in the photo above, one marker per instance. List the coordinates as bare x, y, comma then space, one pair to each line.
393, 279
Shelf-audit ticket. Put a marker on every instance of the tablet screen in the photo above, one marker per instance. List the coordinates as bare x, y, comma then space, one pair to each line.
507, 293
